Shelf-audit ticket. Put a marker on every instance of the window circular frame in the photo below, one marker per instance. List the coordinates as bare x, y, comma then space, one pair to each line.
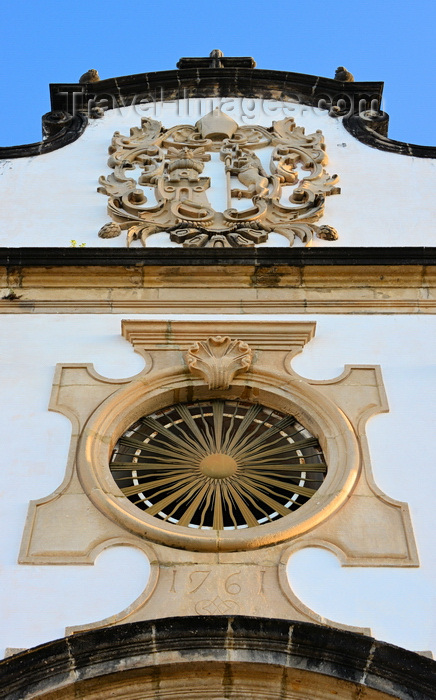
311, 408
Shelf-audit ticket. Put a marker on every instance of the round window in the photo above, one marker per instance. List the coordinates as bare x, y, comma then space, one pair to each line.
221, 465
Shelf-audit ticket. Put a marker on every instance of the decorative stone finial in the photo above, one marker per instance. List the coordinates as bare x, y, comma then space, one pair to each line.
216, 125
344, 75
110, 230
215, 55
91, 76
327, 233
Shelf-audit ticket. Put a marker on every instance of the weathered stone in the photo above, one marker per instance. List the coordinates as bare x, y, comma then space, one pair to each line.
218, 657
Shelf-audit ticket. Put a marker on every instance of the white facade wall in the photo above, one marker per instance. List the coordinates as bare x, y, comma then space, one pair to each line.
38, 602
49, 200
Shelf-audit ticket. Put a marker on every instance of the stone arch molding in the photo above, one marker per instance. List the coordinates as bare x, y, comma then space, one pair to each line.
218, 571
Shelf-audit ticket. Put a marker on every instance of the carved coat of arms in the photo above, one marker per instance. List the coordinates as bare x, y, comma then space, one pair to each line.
170, 192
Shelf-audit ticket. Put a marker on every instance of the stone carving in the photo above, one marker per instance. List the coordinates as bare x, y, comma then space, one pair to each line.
217, 607
111, 230
215, 55
216, 59
91, 76
327, 233
159, 183
219, 359
344, 75
54, 122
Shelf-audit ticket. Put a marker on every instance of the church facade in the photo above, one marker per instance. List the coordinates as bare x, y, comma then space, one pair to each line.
218, 298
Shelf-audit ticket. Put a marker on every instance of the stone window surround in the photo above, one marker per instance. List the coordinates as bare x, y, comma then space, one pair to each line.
348, 515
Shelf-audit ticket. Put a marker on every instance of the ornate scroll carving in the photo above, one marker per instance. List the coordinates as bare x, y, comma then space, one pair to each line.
218, 360
159, 183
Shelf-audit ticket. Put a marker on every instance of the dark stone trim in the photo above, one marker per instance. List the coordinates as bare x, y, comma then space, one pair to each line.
358, 102
347, 656
355, 100
224, 62
217, 82
371, 129
69, 130
261, 257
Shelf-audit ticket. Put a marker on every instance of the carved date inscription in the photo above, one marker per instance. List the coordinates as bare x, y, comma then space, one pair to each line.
216, 591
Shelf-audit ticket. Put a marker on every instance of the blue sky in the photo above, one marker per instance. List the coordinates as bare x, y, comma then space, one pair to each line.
44, 42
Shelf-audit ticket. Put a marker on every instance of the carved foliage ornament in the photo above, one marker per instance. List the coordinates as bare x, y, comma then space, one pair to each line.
158, 183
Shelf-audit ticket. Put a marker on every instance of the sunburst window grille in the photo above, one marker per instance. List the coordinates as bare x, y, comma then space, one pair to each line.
222, 465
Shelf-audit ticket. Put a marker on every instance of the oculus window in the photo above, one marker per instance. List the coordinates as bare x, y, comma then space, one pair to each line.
218, 464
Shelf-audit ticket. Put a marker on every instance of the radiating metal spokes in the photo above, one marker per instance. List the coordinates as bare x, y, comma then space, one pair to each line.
218, 464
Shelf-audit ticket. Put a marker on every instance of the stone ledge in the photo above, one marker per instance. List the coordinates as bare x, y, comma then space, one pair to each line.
266, 281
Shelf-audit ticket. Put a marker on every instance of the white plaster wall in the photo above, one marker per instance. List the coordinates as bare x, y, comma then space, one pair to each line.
37, 602
49, 200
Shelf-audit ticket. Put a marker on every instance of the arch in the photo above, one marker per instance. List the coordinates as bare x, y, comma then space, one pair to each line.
214, 657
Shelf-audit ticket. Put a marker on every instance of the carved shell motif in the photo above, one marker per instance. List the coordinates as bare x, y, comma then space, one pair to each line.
218, 359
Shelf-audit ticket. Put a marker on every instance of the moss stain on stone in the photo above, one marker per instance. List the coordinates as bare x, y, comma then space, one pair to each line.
265, 277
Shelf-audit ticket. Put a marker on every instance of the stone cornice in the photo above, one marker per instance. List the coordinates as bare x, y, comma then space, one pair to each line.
218, 82
371, 129
208, 280
68, 132
263, 257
